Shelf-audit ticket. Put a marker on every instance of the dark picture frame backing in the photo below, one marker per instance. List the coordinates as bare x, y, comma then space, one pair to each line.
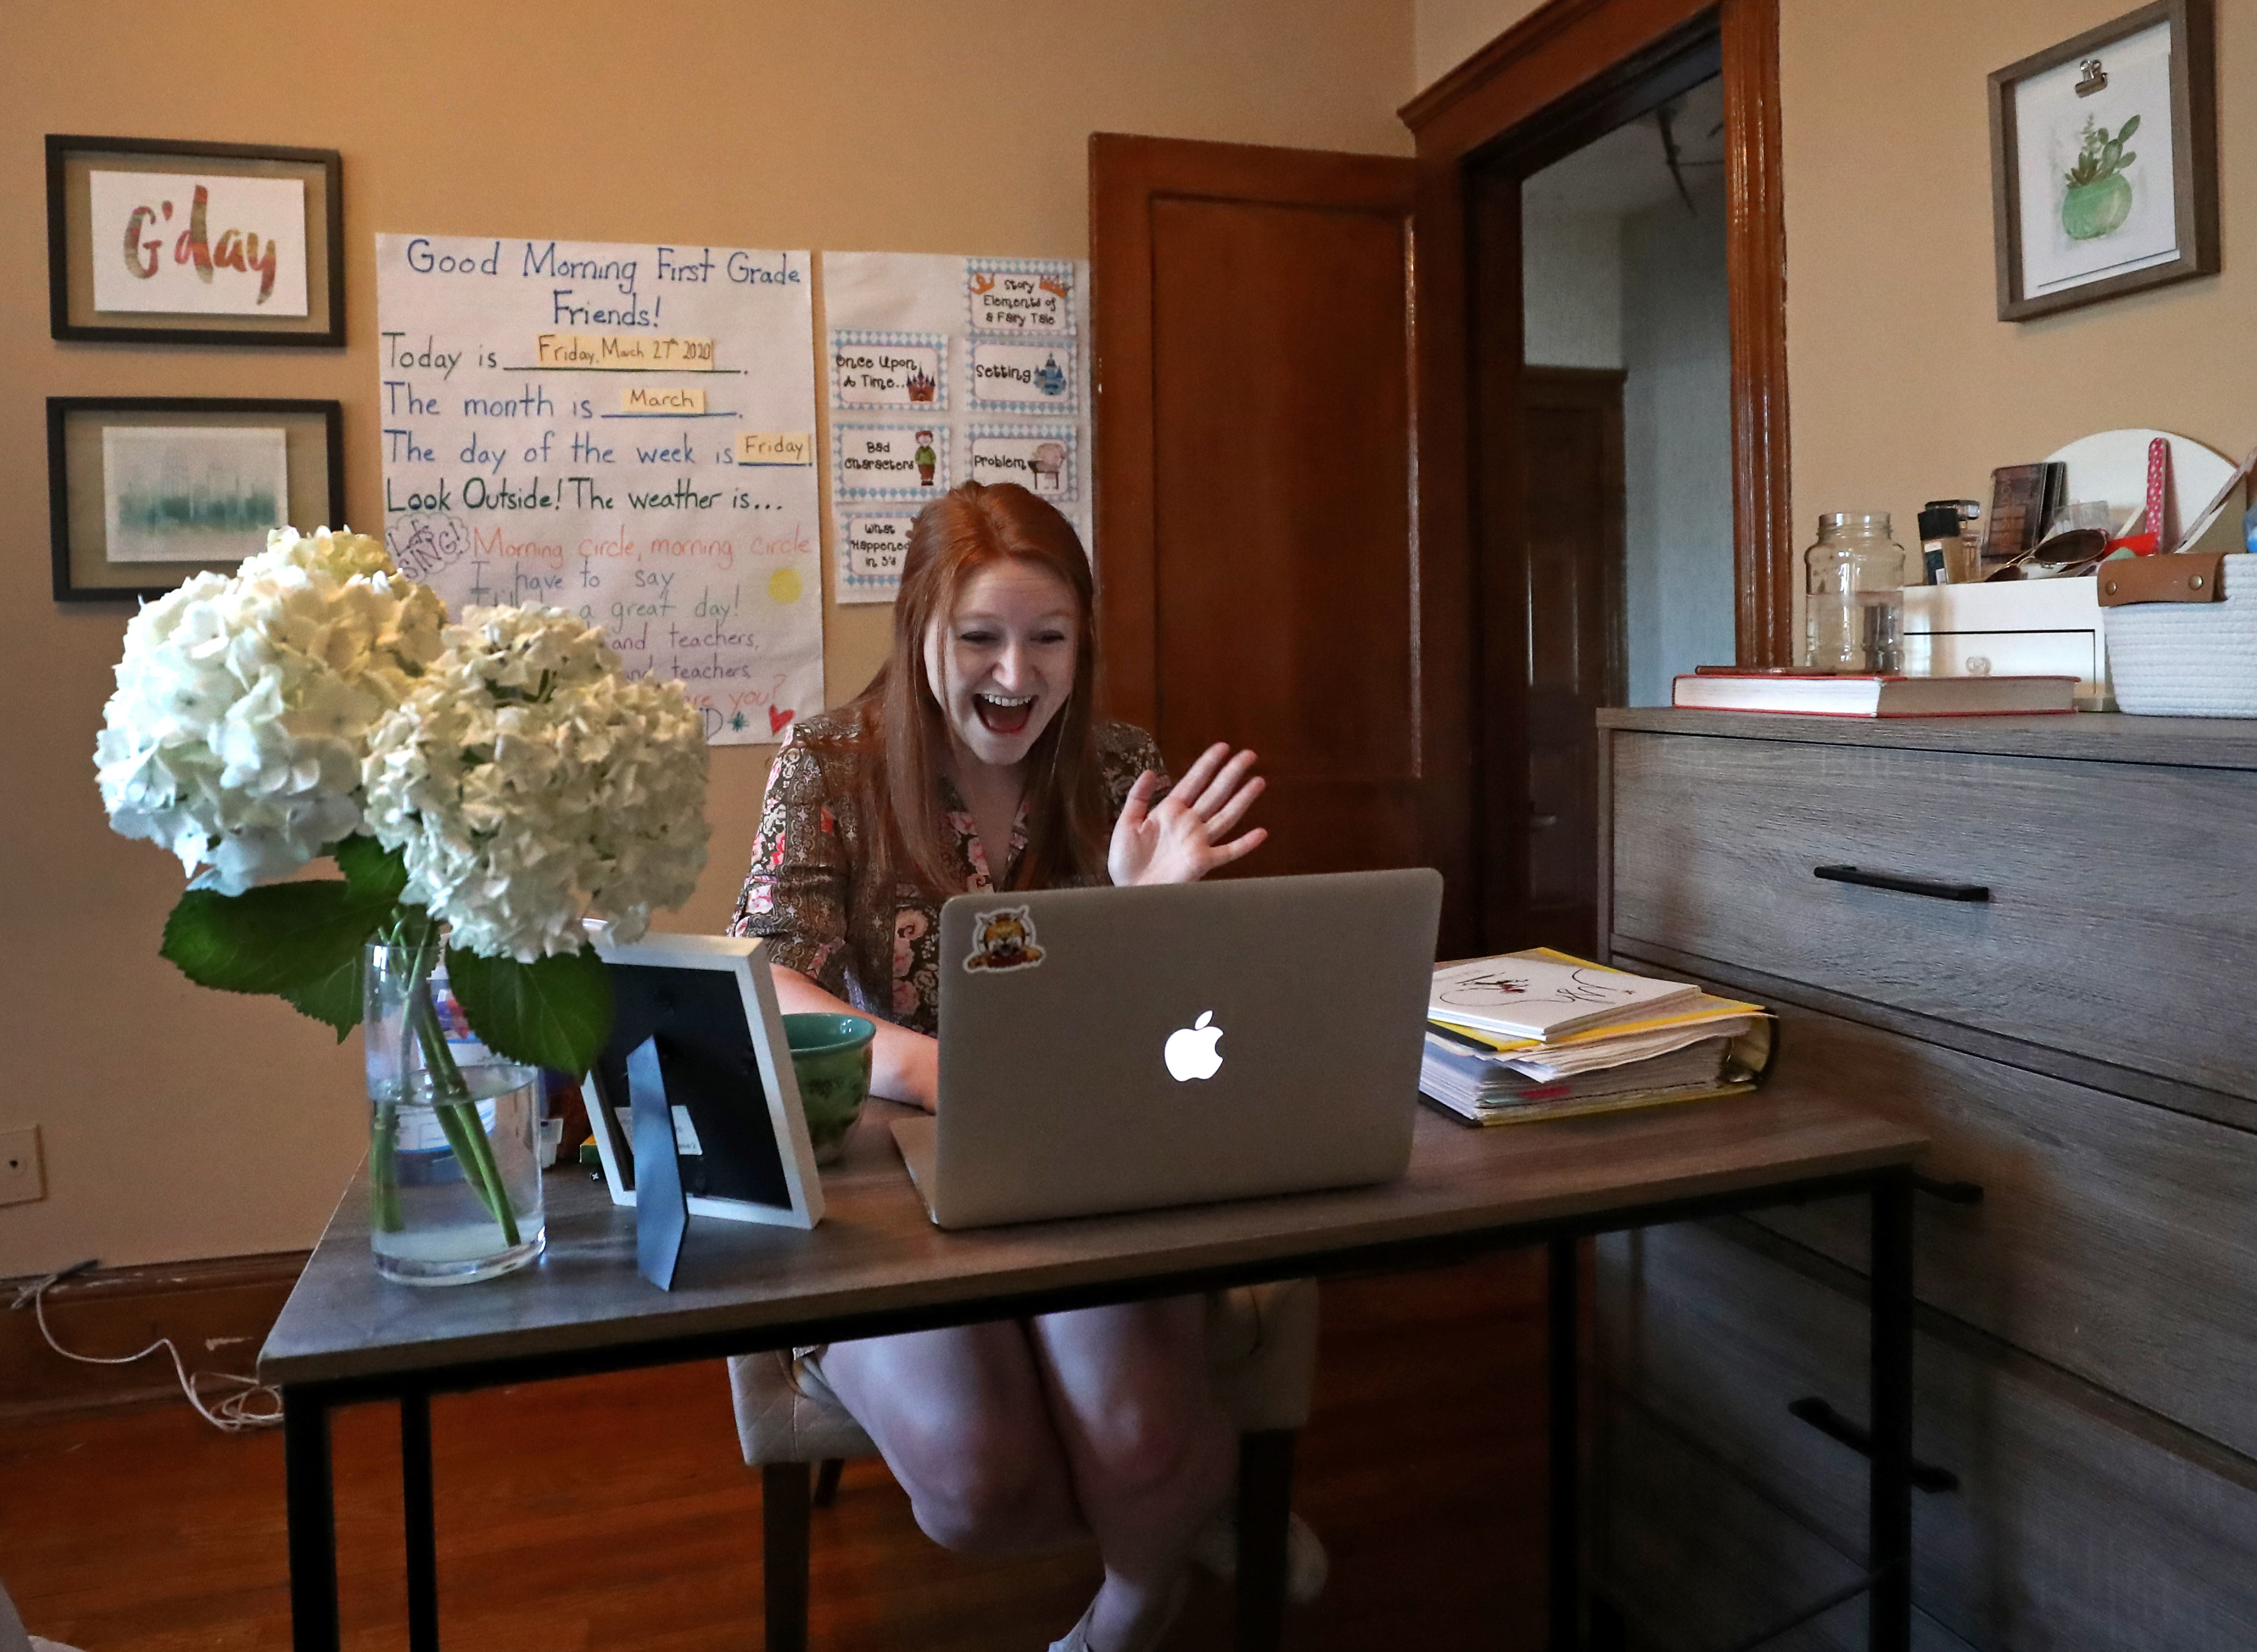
2194, 146
70, 302
74, 482
710, 1003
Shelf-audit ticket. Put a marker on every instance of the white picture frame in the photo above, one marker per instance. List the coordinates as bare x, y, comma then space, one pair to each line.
743, 961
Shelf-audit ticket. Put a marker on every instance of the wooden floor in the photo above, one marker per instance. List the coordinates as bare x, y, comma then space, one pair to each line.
614, 1513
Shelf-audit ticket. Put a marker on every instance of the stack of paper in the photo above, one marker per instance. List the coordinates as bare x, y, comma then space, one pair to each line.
1538, 1034
1543, 994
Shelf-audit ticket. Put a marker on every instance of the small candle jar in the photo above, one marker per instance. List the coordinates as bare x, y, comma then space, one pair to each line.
1853, 585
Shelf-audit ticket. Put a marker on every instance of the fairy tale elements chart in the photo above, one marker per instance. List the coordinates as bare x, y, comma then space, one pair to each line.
944, 369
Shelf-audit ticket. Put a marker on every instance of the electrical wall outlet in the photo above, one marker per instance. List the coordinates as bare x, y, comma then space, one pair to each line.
20, 1180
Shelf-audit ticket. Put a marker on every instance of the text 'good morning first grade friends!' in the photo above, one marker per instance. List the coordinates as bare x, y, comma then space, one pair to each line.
626, 430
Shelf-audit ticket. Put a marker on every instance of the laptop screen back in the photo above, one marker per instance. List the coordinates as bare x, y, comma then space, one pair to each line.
1112, 1048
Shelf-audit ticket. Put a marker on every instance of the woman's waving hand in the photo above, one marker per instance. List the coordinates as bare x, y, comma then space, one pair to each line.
1185, 835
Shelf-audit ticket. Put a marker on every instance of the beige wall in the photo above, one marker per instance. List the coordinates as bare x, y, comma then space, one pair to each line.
1904, 385
185, 1123
1450, 30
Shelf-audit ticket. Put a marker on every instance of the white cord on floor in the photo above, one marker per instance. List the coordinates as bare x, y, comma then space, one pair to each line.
252, 1405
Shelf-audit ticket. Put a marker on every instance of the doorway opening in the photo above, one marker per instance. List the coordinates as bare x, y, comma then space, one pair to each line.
1625, 461
1621, 333
1624, 284
1555, 83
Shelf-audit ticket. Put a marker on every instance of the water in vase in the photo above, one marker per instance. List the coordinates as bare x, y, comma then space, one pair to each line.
431, 1222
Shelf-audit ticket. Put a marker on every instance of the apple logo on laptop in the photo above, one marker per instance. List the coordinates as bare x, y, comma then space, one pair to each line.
1190, 1050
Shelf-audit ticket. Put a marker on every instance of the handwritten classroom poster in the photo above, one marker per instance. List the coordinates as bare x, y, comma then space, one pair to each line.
625, 430
944, 370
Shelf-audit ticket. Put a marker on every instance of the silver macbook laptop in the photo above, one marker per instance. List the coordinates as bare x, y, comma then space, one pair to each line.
1114, 1049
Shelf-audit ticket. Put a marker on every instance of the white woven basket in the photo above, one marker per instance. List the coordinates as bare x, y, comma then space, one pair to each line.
2189, 659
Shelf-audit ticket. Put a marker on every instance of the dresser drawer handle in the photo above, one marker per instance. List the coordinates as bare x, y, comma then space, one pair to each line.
1926, 1477
1928, 886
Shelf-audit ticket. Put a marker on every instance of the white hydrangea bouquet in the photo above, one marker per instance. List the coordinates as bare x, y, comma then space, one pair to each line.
483, 788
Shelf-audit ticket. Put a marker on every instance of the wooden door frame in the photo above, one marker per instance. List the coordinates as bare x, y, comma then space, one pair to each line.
1563, 49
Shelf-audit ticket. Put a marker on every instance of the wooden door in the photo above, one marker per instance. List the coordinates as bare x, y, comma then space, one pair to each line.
1258, 565
1571, 441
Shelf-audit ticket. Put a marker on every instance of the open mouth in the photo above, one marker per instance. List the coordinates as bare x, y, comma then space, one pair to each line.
1003, 714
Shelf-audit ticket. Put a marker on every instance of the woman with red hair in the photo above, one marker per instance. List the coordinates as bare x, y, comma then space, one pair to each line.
975, 760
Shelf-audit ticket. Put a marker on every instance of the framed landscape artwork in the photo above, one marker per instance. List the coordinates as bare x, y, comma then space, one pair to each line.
2103, 162
144, 491
182, 243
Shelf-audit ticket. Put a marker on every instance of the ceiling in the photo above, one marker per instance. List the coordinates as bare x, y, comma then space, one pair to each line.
1626, 171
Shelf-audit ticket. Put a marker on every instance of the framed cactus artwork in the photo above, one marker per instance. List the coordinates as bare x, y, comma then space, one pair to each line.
2103, 162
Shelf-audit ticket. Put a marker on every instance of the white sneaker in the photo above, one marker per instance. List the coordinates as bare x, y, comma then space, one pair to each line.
1215, 1546
1077, 1638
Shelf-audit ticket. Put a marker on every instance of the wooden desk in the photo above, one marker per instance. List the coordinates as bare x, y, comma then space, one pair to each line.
876, 1265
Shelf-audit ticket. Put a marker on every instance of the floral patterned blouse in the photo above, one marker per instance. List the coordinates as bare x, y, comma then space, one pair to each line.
806, 894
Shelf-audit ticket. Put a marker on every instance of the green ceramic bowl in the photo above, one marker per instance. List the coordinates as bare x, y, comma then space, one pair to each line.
831, 1055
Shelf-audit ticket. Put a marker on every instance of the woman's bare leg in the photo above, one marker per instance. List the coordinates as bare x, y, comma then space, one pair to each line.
1147, 1443
962, 1418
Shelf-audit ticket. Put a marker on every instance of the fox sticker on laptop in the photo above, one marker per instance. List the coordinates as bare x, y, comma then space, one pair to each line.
1004, 940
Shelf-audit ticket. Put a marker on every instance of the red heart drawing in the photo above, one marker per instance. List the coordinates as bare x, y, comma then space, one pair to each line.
777, 717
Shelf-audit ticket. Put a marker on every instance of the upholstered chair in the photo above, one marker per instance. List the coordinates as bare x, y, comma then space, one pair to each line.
12, 1638
1261, 1348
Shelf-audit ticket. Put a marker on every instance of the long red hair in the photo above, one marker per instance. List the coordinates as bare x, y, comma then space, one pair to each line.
903, 733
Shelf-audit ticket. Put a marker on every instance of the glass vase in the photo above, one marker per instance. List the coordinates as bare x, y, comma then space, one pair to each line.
454, 1158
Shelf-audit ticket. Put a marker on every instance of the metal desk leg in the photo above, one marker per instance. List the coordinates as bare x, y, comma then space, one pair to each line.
311, 1514
422, 1535
1889, 1526
1265, 1511
1566, 1457
784, 1541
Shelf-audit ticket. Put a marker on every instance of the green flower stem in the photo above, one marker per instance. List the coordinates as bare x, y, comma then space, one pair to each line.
451, 1104
456, 1113
384, 1170
476, 1152
384, 1160
384, 1149
467, 1136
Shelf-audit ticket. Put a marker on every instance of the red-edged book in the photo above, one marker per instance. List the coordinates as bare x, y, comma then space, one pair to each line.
1807, 694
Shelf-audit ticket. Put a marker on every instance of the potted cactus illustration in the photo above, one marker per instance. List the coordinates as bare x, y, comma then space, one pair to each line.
2098, 197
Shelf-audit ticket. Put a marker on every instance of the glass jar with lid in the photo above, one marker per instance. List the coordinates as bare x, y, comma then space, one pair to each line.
1853, 587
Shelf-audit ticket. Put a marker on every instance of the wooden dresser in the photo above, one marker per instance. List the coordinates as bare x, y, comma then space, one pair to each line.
2065, 1001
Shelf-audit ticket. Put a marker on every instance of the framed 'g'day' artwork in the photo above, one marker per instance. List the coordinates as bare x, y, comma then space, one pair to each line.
152, 242
2103, 162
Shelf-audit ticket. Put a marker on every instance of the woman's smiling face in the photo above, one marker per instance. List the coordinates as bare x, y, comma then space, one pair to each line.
1002, 664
